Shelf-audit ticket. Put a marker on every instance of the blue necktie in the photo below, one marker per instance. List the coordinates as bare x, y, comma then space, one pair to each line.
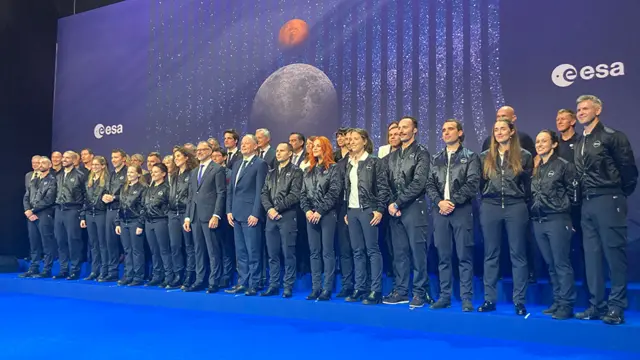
200, 173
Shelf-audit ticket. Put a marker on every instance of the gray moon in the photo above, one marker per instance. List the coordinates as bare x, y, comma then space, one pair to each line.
296, 97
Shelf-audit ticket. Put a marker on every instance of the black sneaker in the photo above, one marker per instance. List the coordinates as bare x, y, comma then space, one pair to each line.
614, 316
394, 299
563, 313
487, 306
374, 298
442, 303
417, 302
551, 310
467, 305
357, 296
592, 313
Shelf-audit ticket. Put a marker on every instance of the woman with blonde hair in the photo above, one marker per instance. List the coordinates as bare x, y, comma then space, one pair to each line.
93, 217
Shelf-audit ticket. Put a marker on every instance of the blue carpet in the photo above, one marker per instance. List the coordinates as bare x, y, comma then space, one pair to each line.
50, 327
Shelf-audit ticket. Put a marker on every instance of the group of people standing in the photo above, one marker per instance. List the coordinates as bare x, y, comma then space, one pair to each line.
205, 205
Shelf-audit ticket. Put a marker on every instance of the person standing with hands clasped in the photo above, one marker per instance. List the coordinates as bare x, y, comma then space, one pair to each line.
552, 189
367, 194
452, 185
505, 186
129, 225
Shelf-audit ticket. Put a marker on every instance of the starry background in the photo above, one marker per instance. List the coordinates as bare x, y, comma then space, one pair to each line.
386, 59
180, 71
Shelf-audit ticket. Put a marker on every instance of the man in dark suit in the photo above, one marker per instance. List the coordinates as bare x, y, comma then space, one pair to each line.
297, 142
205, 207
265, 151
281, 199
246, 214
231, 139
33, 174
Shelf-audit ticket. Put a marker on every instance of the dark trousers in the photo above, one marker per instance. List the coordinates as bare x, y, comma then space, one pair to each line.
604, 230
41, 242
112, 260
69, 237
98, 242
322, 252
157, 231
281, 236
364, 242
409, 241
207, 245
344, 248
553, 236
180, 244
248, 241
456, 227
514, 218
228, 252
133, 246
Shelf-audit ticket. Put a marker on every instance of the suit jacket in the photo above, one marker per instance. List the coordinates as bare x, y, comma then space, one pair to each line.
243, 195
232, 160
208, 197
303, 155
270, 158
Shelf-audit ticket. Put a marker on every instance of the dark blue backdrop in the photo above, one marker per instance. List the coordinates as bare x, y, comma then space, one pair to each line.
172, 72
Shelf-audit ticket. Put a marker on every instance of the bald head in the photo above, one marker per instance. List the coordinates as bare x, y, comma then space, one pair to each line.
506, 112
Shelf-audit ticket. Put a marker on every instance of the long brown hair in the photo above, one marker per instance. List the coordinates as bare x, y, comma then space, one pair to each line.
327, 154
141, 179
101, 180
192, 162
514, 156
309, 155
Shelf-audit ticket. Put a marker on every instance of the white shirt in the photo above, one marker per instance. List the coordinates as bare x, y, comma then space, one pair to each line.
354, 198
447, 191
384, 150
264, 151
304, 165
248, 160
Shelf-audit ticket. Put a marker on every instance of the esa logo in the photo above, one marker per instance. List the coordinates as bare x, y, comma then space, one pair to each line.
566, 74
100, 130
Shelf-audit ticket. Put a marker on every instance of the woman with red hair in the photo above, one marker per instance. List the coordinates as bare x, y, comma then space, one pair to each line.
321, 187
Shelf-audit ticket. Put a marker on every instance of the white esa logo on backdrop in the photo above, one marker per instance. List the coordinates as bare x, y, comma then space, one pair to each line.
100, 130
566, 74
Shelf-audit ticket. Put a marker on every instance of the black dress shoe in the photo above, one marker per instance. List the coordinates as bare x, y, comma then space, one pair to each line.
325, 295
188, 280
271, 291
442, 303
592, 313
551, 310
213, 289
108, 279
344, 292
287, 293
91, 277
175, 284
73, 276
136, 283
124, 281
357, 296
520, 309
43, 275
614, 316
487, 306
238, 289
154, 282
251, 292
563, 313
314, 295
28, 274
195, 287
61, 276
374, 298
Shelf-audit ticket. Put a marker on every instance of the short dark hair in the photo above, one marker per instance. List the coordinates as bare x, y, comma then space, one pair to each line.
458, 126
88, 150
162, 167
288, 146
342, 131
155, 154
119, 151
414, 122
233, 133
222, 151
299, 135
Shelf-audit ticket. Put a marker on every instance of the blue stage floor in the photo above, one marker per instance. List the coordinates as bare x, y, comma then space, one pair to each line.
57, 318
